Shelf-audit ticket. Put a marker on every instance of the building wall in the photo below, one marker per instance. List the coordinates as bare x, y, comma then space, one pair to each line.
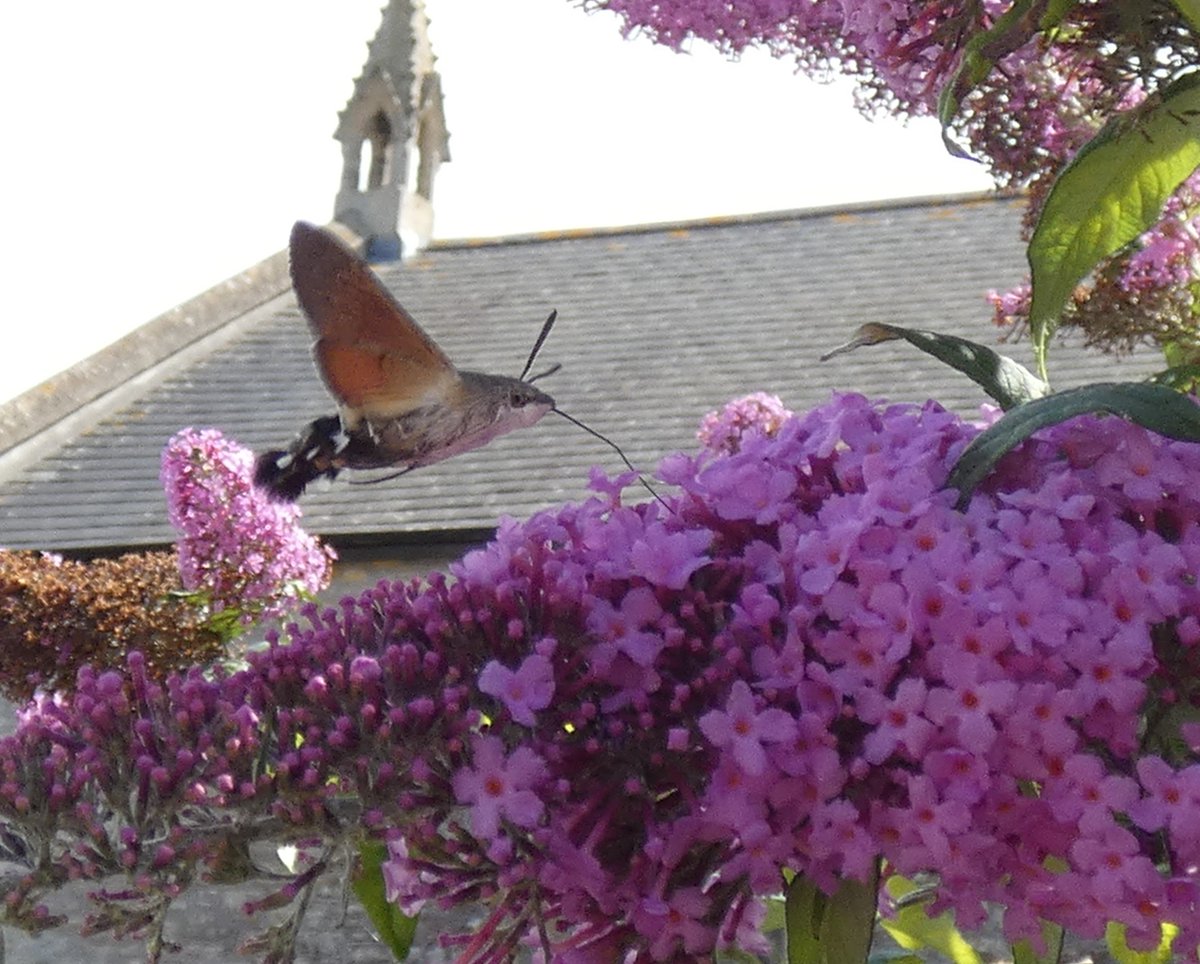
359, 568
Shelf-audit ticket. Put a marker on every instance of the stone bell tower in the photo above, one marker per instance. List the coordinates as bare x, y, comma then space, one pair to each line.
393, 136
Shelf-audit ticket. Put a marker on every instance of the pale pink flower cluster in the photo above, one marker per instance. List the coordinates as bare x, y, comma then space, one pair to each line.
242, 550
758, 412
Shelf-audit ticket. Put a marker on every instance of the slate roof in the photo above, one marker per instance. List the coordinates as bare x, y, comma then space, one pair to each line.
657, 326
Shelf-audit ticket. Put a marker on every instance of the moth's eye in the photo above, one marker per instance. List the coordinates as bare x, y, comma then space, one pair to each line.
517, 399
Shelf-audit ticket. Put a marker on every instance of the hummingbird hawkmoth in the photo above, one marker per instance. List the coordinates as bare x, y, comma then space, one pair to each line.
401, 401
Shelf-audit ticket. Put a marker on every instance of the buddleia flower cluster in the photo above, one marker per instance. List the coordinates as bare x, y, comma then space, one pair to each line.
616, 725
815, 662
245, 555
758, 412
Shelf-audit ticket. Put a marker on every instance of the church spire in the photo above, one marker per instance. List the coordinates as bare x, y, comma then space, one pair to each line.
393, 136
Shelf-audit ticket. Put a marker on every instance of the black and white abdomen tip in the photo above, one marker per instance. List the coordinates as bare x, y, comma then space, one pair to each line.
284, 475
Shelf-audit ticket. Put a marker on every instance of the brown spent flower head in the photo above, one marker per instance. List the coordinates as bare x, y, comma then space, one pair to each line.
58, 614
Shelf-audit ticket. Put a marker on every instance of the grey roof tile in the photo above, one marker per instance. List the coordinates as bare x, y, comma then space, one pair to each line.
656, 327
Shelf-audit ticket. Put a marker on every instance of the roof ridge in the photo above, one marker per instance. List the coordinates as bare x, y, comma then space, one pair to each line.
63, 427
717, 221
58, 397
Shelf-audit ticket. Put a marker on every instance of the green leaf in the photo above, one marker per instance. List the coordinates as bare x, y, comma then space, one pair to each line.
1191, 12
1115, 937
1112, 191
804, 913
834, 929
227, 624
1182, 377
394, 928
1054, 12
912, 928
1008, 382
1052, 934
1152, 406
1180, 352
775, 918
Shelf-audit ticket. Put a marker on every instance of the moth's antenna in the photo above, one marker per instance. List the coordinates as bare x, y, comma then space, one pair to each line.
549, 371
616, 448
537, 345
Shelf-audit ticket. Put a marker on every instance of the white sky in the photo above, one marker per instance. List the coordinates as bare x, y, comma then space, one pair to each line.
152, 147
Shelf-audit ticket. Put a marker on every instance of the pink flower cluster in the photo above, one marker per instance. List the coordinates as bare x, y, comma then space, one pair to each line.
904, 47
1010, 308
758, 412
244, 551
1168, 255
615, 724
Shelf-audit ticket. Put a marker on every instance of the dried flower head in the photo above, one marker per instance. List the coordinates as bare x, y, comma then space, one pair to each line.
58, 614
